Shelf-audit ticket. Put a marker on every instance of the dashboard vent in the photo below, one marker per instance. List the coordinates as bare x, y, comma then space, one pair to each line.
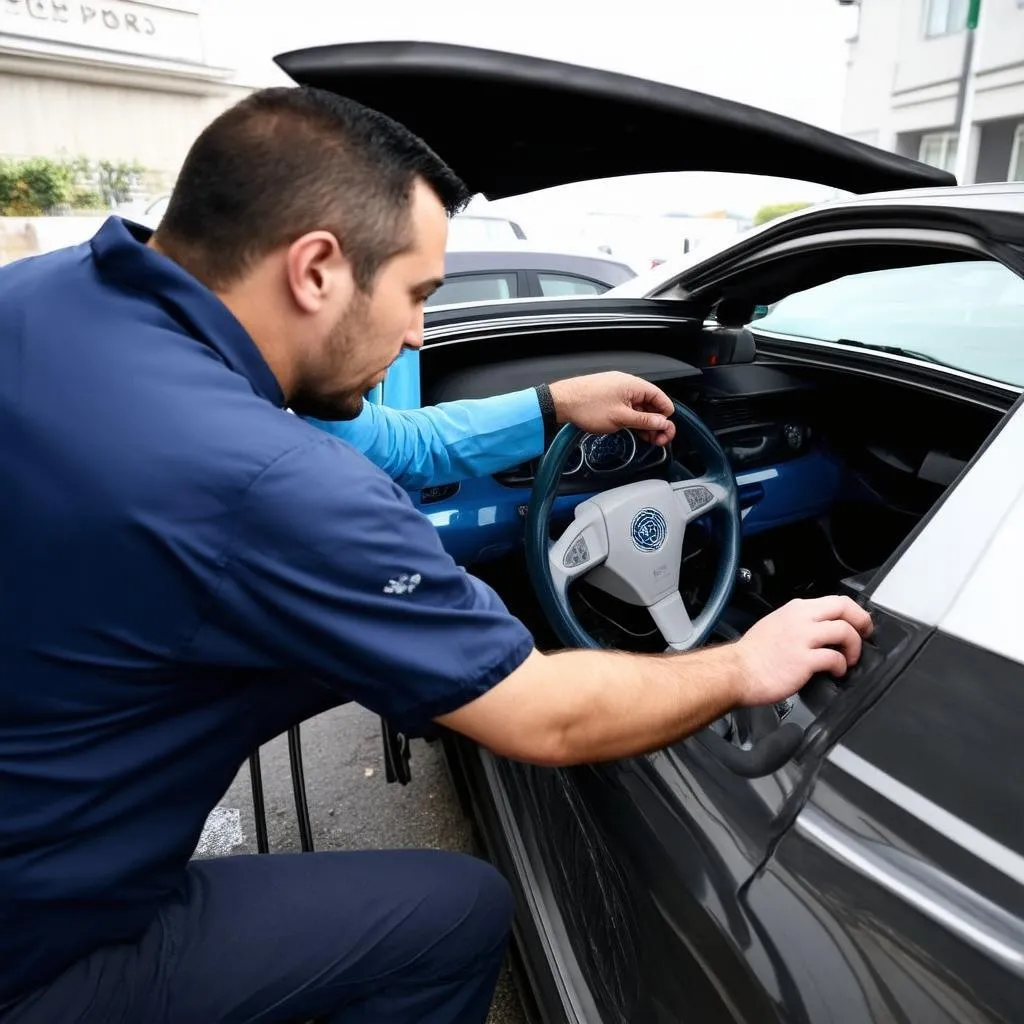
431, 494
733, 413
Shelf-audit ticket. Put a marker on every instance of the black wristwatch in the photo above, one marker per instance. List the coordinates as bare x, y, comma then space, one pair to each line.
547, 412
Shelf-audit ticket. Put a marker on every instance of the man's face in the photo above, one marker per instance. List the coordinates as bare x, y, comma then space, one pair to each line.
371, 329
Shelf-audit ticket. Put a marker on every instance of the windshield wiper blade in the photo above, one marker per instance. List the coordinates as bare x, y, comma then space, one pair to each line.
893, 350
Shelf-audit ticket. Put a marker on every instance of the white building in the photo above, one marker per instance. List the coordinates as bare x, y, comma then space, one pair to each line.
107, 79
904, 71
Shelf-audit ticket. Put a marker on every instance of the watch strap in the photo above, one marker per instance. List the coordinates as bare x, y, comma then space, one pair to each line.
547, 412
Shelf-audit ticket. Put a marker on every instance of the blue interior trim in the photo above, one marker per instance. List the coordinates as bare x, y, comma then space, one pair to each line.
485, 519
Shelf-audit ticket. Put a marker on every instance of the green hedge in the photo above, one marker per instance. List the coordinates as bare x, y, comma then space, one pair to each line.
41, 186
767, 213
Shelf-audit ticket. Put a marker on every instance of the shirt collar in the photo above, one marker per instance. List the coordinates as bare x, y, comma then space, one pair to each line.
122, 257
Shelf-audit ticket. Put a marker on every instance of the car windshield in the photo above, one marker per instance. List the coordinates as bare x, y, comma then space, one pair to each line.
968, 315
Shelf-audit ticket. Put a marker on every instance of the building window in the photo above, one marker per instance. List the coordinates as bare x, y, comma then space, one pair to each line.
941, 17
939, 150
1017, 153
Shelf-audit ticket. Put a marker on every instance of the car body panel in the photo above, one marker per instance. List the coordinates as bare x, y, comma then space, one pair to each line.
587, 123
905, 864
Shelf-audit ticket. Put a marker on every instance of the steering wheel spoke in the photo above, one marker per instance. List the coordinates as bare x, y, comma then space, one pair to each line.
699, 496
582, 547
673, 621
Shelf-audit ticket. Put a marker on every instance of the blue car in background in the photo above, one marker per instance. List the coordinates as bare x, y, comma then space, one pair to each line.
849, 420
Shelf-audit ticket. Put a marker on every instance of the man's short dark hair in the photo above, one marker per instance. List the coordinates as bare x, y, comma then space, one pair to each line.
286, 161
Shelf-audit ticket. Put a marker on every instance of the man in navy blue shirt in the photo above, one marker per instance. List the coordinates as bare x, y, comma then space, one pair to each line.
188, 570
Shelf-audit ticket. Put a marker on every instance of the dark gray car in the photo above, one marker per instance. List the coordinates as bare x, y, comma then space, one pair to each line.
493, 275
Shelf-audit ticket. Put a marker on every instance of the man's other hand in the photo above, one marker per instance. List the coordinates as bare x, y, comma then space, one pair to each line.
603, 403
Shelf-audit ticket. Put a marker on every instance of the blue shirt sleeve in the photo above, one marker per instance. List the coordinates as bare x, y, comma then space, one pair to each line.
448, 442
334, 575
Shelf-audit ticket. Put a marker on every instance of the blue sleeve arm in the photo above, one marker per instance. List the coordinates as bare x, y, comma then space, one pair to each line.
444, 443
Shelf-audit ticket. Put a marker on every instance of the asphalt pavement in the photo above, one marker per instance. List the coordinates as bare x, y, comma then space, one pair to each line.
351, 806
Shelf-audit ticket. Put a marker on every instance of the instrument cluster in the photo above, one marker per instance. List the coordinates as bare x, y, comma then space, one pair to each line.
602, 453
601, 460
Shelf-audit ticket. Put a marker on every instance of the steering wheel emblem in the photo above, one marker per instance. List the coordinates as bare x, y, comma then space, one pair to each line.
648, 530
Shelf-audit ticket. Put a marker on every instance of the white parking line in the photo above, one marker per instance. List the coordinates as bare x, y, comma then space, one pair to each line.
221, 833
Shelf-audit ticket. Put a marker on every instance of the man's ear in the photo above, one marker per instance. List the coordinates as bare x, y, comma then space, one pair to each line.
318, 272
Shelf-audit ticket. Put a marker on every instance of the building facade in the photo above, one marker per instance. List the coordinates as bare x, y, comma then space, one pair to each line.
109, 80
906, 61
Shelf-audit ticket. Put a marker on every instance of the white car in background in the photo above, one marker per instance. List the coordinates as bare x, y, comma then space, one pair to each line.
483, 231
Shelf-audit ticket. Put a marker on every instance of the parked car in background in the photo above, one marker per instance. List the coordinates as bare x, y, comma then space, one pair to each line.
495, 275
483, 231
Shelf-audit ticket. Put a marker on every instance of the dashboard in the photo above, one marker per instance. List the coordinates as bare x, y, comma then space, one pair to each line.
595, 463
765, 418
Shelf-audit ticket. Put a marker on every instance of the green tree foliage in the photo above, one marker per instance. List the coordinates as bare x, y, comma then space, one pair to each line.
770, 212
41, 186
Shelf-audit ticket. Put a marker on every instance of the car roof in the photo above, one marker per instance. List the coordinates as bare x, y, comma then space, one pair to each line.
457, 260
997, 195
994, 197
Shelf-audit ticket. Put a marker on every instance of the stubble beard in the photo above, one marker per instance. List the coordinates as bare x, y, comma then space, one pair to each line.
312, 399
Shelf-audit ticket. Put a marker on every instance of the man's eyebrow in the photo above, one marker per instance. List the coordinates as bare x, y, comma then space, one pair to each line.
431, 286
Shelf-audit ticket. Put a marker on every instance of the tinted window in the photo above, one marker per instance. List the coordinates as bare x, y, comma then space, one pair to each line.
968, 315
568, 284
474, 288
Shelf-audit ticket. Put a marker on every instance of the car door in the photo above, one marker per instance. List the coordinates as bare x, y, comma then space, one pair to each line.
877, 874
902, 878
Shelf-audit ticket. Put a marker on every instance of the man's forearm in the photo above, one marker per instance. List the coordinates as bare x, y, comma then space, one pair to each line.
621, 705
580, 706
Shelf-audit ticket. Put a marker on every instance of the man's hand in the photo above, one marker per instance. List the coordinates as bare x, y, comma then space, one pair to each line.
781, 652
603, 403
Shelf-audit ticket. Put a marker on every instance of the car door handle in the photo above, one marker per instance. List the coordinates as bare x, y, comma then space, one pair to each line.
767, 755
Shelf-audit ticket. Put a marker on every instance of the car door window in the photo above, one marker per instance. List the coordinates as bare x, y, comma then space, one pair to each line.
968, 315
474, 288
568, 284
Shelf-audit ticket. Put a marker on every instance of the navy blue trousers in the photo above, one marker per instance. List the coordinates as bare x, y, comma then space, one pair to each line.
343, 938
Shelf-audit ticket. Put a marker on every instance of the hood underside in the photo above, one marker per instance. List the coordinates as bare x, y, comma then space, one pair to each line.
509, 124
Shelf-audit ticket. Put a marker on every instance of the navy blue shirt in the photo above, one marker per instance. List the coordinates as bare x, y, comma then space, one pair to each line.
186, 569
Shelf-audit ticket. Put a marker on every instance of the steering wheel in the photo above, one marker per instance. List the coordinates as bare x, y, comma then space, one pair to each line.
631, 538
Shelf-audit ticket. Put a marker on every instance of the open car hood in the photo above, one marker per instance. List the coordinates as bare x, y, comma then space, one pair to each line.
549, 123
